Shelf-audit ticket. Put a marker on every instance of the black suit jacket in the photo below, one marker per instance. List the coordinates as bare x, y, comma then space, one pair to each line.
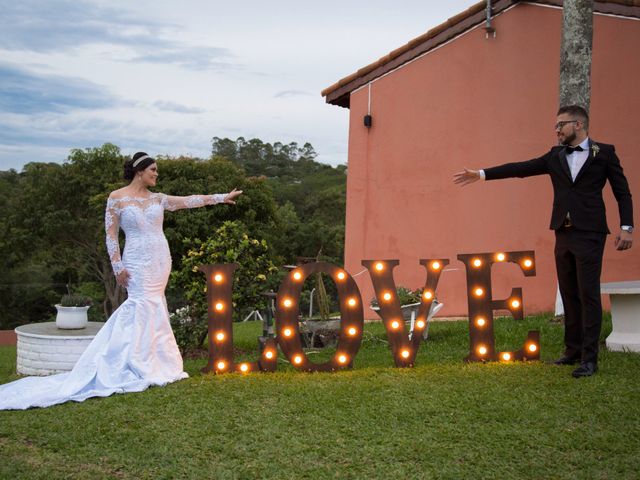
582, 199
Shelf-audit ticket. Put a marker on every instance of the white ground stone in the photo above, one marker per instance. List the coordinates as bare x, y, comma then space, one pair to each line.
43, 349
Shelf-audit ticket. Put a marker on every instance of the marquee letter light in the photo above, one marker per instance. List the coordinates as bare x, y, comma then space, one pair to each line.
220, 308
482, 305
351, 324
404, 349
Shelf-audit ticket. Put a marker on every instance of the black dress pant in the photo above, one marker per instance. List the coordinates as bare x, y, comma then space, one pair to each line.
578, 255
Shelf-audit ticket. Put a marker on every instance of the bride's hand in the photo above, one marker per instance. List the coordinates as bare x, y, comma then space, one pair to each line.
231, 195
122, 278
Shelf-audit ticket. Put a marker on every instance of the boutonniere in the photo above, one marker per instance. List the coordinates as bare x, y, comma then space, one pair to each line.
595, 149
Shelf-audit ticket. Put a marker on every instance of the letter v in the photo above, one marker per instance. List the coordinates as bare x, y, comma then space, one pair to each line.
403, 348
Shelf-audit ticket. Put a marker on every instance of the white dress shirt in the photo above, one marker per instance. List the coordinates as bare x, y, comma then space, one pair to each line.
576, 160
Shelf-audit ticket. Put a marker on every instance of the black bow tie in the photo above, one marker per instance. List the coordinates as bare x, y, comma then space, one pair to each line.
569, 149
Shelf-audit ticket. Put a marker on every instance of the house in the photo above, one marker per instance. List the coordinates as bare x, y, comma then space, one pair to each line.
462, 95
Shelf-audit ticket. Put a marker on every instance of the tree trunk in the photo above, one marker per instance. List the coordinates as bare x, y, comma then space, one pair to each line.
575, 53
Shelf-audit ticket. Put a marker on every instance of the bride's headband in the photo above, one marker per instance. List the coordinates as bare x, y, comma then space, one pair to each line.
137, 162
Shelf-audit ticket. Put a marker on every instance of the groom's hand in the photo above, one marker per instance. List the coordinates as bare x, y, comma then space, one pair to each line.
466, 177
624, 240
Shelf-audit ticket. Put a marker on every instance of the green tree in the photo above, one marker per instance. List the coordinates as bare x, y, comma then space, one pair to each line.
255, 208
310, 195
52, 219
229, 243
55, 220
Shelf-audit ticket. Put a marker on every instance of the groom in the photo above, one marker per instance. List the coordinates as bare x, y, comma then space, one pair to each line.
579, 169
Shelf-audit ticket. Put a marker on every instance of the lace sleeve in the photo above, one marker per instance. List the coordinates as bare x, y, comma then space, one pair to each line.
192, 201
112, 227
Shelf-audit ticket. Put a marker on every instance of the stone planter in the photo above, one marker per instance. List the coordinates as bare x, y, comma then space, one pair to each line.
71, 318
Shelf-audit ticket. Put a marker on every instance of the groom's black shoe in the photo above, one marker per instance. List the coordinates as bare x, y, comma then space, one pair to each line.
586, 369
564, 360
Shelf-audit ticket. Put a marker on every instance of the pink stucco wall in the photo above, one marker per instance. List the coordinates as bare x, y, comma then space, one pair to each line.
478, 102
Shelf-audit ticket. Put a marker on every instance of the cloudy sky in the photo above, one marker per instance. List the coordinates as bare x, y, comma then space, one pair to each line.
167, 76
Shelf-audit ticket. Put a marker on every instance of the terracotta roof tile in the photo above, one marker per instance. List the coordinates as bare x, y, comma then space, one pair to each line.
338, 92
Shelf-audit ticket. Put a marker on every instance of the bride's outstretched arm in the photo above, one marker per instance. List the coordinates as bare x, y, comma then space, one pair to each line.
172, 203
112, 227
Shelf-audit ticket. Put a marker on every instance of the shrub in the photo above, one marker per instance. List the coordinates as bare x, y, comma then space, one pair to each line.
75, 300
229, 244
405, 295
188, 332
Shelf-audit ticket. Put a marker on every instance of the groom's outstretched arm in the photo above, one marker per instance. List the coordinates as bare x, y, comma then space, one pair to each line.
536, 166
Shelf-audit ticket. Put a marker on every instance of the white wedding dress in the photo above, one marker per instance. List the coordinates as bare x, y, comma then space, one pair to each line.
136, 347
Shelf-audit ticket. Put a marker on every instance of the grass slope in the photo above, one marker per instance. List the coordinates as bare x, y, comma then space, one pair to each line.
441, 419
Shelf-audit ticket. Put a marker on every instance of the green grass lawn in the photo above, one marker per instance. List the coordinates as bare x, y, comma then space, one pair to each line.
441, 419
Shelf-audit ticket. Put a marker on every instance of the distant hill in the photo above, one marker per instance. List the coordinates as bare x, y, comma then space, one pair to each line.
310, 195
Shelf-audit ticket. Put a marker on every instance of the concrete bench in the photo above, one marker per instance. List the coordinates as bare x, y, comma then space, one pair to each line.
625, 315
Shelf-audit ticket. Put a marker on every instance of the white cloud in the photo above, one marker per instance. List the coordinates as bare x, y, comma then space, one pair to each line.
176, 107
164, 77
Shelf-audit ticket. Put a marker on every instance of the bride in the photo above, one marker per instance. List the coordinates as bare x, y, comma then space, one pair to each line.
135, 348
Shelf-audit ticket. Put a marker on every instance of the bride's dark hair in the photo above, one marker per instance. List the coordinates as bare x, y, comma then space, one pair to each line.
129, 168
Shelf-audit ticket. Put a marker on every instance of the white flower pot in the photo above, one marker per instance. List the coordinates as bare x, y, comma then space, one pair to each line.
71, 318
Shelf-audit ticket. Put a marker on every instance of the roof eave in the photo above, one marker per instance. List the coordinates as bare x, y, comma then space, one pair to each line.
340, 93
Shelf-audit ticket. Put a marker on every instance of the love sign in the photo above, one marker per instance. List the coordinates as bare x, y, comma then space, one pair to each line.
404, 347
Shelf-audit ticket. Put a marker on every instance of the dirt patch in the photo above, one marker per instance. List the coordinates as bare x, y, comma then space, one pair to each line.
7, 337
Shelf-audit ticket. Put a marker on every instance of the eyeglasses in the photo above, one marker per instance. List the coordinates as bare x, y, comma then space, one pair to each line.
560, 125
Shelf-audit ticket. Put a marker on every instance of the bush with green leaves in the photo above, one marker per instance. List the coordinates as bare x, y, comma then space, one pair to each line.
256, 273
75, 300
188, 331
406, 296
